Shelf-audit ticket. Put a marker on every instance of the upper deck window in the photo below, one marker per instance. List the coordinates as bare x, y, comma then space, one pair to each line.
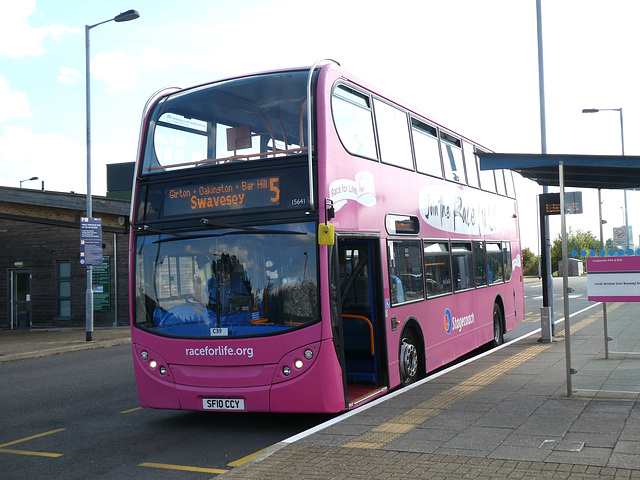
393, 134
251, 118
425, 144
452, 158
353, 120
488, 180
471, 161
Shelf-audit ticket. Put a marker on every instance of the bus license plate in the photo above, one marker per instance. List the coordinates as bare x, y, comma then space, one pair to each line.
223, 404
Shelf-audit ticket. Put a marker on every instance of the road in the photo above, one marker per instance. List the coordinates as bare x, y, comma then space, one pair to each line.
533, 300
76, 416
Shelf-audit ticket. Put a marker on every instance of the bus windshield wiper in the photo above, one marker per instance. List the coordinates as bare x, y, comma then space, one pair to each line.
207, 221
176, 237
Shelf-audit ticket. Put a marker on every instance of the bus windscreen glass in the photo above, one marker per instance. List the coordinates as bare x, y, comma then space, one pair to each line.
227, 283
252, 118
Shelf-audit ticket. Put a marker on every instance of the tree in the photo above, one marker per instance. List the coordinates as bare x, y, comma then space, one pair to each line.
529, 263
608, 245
577, 240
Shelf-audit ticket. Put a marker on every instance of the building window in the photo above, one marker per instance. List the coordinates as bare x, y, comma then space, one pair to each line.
64, 289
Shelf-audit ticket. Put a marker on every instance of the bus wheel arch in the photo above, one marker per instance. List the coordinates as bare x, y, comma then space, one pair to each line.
412, 358
499, 326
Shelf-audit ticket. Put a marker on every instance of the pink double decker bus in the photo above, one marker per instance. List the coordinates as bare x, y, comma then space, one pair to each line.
303, 243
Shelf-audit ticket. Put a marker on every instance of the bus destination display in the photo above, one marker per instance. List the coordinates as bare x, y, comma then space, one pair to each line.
211, 197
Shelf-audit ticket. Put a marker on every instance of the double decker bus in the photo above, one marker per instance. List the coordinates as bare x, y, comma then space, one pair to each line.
302, 242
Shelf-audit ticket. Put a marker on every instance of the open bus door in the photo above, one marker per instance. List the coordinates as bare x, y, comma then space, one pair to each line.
360, 321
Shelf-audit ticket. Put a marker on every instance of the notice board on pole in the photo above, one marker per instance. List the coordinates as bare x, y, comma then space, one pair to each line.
90, 241
613, 279
101, 286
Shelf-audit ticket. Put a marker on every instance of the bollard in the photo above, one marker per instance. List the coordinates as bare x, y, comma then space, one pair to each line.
545, 324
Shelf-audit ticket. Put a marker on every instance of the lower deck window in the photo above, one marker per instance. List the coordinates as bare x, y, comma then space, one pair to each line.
405, 271
437, 268
462, 266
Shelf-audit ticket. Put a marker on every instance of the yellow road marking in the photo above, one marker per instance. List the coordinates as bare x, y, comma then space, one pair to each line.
33, 454
183, 468
243, 460
397, 426
26, 452
132, 410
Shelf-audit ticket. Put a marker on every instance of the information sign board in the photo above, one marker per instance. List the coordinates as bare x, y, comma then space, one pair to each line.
90, 241
101, 286
613, 279
550, 203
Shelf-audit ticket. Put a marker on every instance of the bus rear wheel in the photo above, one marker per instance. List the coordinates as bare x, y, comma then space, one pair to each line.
498, 334
409, 359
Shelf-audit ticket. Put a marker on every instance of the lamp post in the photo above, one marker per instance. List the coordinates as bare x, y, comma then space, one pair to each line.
626, 215
27, 180
123, 17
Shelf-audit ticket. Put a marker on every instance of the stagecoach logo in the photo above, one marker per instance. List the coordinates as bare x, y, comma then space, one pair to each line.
447, 321
362, 190
457, 323
452, 210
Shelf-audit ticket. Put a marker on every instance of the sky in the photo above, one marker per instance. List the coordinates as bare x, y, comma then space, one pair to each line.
469, 65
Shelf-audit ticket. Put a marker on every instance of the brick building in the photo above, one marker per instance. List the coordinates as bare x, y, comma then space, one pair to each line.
42, 280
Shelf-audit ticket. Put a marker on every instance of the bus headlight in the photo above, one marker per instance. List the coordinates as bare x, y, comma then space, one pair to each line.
308, 354
163, 370
286, 371
153, 364
144, 355
298, 364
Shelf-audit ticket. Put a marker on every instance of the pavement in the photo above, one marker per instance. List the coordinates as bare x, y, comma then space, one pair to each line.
503, 415
26, 344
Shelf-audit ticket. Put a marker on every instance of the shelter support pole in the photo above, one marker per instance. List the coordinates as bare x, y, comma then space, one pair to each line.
565, 280
604, 304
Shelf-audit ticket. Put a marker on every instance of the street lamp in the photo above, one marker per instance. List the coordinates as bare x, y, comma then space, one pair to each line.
123, 17
626, 215
28, 180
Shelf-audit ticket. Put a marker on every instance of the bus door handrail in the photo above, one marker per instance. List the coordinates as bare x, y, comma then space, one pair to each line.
309, 129
360, 317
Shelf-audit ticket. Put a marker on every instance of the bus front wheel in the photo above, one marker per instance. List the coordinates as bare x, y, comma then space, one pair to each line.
409, 359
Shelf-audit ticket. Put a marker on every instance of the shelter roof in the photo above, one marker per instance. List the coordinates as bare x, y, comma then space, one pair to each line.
588, 171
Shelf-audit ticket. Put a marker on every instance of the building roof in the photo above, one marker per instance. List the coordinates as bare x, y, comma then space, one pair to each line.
70, 201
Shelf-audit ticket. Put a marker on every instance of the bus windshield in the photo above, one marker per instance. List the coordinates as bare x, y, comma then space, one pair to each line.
227, 283
250, 118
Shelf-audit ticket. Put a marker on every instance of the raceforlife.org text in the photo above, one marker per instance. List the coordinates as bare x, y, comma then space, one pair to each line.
222, 351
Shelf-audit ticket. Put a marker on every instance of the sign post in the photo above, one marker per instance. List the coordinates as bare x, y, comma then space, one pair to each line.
549, 204
90, 254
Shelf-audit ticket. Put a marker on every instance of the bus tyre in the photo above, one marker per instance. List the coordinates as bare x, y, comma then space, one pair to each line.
409, 359
498, 334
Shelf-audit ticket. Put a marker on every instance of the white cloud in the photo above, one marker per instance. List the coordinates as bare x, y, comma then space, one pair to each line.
118, 69
18, 39
24, 154
68, 75
14, 103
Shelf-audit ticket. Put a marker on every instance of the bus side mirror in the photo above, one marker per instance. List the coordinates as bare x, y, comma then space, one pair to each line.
326, 234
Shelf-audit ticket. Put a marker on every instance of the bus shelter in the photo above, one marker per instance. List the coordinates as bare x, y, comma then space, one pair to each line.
599, 172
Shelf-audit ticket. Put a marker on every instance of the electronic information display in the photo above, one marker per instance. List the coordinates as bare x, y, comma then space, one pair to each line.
216, 197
